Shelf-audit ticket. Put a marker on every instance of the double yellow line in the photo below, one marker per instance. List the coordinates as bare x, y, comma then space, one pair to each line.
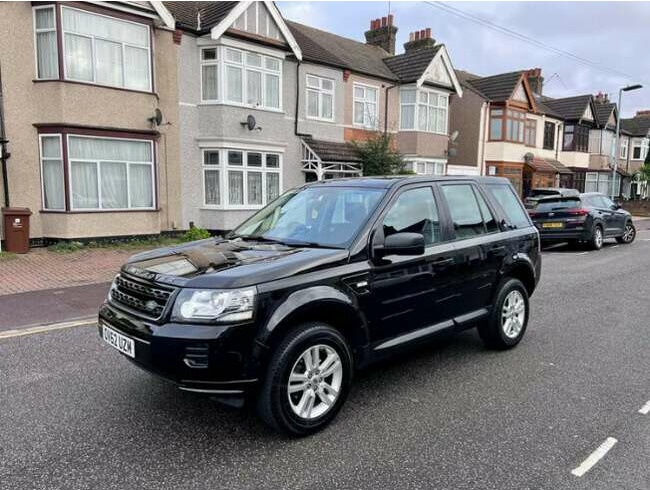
21, 332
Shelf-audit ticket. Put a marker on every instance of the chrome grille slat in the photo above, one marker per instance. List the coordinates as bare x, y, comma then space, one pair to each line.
147, 300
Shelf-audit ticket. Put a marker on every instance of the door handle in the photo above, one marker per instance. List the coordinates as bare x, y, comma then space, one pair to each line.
497, 249
440, 262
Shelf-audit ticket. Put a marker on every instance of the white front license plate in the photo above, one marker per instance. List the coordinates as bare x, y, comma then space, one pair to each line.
121, 342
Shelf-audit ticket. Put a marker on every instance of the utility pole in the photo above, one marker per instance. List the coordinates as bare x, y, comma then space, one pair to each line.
618, 136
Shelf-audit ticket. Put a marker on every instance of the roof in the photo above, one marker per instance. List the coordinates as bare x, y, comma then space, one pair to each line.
636, 126
568, 107
602, 111
331, 49
199, 17
331, 151
495, 87
408, 67
388, 181
542, 108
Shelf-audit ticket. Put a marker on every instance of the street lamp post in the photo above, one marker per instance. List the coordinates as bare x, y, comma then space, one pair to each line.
618, 134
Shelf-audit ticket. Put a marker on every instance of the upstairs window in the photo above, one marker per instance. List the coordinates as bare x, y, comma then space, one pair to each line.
424, 110
104, 50
366, 112
251, 79
549, 136
507, 125
531, 132
639, 148
47, 54
209, 74
320, 98
624, 142
576, 138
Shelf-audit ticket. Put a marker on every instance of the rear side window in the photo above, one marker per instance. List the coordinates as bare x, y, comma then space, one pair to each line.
414, 211
510, 203
548, 205
467, 211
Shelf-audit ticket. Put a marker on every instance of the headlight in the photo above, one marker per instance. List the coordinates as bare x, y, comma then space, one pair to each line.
219, 305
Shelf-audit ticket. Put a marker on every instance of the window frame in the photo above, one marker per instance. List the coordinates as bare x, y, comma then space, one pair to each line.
530, 132
42, 173
643, 144
216, 62
506, 116
578, 131
623, 149
54, 29
365, 101
553, 127
61, 42
441, 95
413, 162
224, 168
320, 91
477, 195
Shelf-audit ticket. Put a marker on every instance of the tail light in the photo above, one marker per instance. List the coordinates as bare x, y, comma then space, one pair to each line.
532, 214
579, 212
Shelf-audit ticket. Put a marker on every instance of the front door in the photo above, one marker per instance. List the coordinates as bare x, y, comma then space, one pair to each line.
409, 295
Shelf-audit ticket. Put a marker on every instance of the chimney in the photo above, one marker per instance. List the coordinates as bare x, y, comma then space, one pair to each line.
419, 40
382, 33
645, 113
601, 98
535, 80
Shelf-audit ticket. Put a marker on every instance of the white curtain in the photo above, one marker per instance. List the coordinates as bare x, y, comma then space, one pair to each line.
105, 27
253, 87
53, 184
272, 186
84, 185
136, 68
312, 103
254, 187
212, 195
109, 149
109, 62
326, 109
272, 91
210, 82
236, 187
233, 83
48, 62
78, 57
114, 185
140, 188
423, 114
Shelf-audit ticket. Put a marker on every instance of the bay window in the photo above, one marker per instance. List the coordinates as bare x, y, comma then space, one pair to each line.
598, 182
320, 98
47, 55
531, 132
427, 167
507, 125
209, 74
52, 172
105, 50
424, 110
234, 178
366, 107
576, 138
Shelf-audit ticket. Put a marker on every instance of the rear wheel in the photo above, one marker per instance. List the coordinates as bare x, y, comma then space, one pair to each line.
596, 240
629, 234
509, 319
307, 380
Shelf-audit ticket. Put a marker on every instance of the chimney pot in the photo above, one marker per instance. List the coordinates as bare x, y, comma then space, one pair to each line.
411, 36
428, 32
382, 33
417, 35
384, 21
390, 19
422, 34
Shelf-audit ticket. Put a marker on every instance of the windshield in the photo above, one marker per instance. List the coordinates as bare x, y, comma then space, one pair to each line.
548, 205
316, 216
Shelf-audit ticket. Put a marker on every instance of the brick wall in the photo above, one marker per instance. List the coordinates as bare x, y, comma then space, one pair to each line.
637, 208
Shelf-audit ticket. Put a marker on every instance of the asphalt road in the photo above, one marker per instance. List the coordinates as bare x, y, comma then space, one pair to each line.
75, 415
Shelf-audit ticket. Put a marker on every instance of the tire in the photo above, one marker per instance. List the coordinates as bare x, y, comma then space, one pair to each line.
497, 332
285, 412
629, 234
595, 242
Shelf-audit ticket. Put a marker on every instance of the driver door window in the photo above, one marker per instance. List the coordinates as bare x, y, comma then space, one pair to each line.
414, 211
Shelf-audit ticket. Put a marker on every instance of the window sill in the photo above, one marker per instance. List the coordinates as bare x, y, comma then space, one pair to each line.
231, 208
242, 106
99, 85
319, 119
422, 131
96, 211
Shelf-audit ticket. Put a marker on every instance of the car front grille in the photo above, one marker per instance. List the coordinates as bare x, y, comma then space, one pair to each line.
145, 299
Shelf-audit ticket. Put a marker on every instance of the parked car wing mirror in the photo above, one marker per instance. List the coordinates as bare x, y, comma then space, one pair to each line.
401, 244
616, 206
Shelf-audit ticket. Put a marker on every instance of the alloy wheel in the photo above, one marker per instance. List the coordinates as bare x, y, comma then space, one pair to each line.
628, 234
513, 314
315, 381
598, 237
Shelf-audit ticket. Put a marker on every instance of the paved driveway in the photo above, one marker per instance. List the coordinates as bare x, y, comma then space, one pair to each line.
75, 415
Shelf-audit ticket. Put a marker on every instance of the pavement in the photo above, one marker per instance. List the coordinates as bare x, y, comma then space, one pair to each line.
74, 414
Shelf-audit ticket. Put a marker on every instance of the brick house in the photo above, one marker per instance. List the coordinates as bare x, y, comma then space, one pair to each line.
83, 86
638, 129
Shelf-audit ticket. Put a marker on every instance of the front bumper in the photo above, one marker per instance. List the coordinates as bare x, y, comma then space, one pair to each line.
209, 359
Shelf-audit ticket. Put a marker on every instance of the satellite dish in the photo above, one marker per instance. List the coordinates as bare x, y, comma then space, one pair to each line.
250, 122
453, 136
157, 119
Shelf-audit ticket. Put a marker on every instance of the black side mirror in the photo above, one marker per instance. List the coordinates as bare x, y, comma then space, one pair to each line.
616, 206
401, 244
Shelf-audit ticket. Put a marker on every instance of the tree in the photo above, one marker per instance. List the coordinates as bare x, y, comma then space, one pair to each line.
644, 172
378, 157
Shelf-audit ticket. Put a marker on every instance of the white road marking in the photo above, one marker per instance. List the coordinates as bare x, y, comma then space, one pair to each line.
7, 334
614, 246
645, 409
594, 457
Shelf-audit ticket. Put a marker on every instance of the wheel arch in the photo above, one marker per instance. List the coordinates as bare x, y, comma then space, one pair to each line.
522, 269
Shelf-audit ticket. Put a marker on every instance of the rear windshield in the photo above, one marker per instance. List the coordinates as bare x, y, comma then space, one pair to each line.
547, 205
543, 192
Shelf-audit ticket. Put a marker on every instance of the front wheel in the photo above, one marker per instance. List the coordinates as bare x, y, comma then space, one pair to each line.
307, 380
506, 326
596, 240
629, 234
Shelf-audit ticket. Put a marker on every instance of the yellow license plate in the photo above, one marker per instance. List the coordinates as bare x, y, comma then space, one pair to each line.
552, 225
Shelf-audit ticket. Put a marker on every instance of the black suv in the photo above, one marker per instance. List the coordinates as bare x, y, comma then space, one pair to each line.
586, 218
326, 279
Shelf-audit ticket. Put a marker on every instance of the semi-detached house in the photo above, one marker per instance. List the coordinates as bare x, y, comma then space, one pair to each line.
83, 86
268, 104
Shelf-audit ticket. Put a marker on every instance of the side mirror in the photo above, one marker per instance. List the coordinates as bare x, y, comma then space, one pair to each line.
401, 244
616, 206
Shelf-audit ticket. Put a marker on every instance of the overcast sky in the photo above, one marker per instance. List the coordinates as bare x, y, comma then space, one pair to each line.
615, 35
